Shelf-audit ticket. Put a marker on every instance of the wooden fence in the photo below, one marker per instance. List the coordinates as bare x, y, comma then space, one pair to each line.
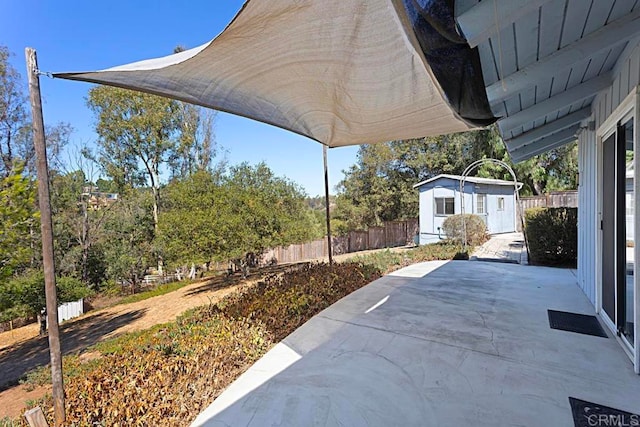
392, 234
556, 199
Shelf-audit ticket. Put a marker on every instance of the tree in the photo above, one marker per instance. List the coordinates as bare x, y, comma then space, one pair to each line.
77, 227
379, 187
67, 216
266, 210
24, 295
196, 145
128, 242
12, 112
16, 136
554, 170
190, 219
18, 219
137, 133
225, 216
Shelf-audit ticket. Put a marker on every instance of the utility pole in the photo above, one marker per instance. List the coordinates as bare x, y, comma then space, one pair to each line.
85, 236
47, 235
326, 202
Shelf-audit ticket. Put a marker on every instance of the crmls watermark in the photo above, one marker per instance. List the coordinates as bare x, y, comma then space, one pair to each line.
613, 420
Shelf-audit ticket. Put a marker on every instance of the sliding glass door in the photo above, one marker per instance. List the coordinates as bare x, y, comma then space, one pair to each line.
618, 234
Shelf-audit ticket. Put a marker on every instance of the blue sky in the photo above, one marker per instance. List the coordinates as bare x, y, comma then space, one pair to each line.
72, 35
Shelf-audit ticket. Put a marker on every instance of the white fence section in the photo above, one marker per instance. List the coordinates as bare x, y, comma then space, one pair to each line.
69, 310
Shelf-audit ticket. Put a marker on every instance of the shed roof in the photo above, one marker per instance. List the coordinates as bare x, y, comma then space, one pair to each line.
474, 179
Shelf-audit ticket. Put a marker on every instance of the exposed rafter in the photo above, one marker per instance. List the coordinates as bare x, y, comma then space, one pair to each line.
583, 91
632, 44
545, 144
479, 22
615, 33
548, 129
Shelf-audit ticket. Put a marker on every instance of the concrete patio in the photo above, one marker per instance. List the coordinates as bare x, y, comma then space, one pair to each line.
436, 344
505, 247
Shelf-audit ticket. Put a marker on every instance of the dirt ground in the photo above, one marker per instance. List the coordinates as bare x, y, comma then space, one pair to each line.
22, 350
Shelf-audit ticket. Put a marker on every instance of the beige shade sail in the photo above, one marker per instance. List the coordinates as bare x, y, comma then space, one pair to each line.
341, 72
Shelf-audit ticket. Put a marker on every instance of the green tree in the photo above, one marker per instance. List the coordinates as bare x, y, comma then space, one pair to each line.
225, 216
379, 187
266, 210
12, 113
190, 219
18, 221
25, 293
554, 170
77, 228
137, 133
196, 145
67, 216
128, 238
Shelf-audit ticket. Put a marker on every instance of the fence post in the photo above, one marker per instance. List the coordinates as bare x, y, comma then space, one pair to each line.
46, 227
386, 234
36, 418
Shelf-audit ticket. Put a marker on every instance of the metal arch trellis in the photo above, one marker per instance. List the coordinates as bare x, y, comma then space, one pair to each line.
516, 187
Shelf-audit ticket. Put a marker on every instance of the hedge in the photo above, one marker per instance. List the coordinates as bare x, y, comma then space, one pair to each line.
552, 236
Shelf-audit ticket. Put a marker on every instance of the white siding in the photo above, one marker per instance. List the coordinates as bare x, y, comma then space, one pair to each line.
587, 214
497, 221
626, 78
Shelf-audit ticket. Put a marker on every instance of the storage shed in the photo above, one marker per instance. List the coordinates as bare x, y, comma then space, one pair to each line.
492, 199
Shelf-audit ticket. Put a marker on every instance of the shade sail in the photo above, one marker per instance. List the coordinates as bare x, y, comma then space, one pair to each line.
341, 72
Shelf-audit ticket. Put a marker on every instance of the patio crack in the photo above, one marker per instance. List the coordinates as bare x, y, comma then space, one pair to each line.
484, 324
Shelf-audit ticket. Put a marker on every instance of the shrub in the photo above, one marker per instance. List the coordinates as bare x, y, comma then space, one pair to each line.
552, 236
438, 251
385, 261
71, 289
388, 261
167, 374
284, 302
476, 229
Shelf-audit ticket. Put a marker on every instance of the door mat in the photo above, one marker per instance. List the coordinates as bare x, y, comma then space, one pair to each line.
573, 322
586, 414
500, 260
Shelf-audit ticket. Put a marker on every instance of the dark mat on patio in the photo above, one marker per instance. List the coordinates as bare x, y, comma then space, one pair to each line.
592, 414
573, 322
500, 260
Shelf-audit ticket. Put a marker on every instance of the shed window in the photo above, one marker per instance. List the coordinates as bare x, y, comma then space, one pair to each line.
481, 203
445, 206
500, 203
